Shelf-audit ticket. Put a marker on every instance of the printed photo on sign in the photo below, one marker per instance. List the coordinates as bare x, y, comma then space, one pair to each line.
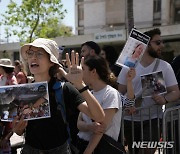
28, 100
153, 84
133, 49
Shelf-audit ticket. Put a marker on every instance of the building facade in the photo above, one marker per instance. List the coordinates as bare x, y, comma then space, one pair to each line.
104, 21
105, 16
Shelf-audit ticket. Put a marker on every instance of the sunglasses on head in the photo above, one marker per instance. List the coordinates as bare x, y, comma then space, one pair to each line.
158, 42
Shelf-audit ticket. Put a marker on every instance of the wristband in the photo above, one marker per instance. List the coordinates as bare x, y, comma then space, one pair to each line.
83, 89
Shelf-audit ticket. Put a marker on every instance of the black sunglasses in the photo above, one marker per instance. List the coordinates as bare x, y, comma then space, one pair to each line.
158, 42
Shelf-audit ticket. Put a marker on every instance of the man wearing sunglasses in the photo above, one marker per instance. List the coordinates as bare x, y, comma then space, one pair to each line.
149, 63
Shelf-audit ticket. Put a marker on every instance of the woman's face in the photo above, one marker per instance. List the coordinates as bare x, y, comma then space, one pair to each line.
16, 69
103, 54
38, 61
138, 51
87, 75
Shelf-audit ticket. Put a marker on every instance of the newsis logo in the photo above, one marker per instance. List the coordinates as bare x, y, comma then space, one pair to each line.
147, 144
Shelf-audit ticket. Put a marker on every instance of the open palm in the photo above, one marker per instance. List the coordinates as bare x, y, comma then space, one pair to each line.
75, 73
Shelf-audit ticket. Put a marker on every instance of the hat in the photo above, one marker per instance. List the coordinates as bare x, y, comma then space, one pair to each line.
48, 45
5, 62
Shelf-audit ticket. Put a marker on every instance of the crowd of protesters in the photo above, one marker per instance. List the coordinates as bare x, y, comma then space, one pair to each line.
95, 93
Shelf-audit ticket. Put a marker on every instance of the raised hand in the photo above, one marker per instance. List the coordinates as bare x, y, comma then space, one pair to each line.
131, 74
75, 73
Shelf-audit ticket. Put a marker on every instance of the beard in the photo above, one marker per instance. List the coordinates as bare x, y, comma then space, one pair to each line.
153, 53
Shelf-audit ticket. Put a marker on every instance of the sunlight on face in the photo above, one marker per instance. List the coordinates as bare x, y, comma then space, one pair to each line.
38, 61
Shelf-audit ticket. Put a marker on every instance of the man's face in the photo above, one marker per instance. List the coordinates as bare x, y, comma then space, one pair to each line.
85, 51
155, 46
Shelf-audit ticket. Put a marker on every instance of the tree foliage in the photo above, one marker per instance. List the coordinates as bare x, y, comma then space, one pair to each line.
35, 18
53, 29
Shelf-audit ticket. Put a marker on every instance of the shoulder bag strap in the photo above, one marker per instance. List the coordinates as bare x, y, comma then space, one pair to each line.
139, 99
156, 65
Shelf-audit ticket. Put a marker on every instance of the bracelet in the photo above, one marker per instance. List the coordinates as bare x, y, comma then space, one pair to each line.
83, 89
166, 100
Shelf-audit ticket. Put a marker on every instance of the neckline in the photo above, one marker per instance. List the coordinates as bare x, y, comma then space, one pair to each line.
153, 63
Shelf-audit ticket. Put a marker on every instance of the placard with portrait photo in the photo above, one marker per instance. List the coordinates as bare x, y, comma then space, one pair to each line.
133, 49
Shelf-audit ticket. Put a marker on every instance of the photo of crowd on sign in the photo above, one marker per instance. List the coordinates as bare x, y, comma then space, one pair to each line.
153, 84
28, 100
133, 49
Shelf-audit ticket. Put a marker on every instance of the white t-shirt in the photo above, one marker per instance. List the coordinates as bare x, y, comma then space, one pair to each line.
169, 79
109, 98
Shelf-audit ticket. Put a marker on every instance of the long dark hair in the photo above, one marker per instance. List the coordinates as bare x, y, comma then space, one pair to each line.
53, 70
111, 54
102, 68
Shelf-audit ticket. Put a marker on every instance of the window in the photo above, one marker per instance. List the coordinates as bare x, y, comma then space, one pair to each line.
176, 11
177, 15
80, 32
80, 12
157, 12
16, 55
157, 6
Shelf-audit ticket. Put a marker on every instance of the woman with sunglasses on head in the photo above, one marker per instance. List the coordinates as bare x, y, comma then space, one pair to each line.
50, 135
96, 75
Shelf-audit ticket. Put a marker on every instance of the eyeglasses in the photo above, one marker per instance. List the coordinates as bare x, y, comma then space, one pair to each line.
38, 54
158, 42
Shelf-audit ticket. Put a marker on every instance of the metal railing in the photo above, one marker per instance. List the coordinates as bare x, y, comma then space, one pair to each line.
171, 129
167, 129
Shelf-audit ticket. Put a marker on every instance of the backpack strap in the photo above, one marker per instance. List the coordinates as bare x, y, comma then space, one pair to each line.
58, 87
139, 99
156, 65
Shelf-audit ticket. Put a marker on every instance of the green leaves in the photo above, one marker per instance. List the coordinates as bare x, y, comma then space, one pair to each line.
53, 29
36, 18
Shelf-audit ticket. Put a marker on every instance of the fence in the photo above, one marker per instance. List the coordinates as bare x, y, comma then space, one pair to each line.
161, 134
171, 129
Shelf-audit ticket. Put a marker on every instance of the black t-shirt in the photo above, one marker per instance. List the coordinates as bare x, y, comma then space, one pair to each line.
51, 132
176, 67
